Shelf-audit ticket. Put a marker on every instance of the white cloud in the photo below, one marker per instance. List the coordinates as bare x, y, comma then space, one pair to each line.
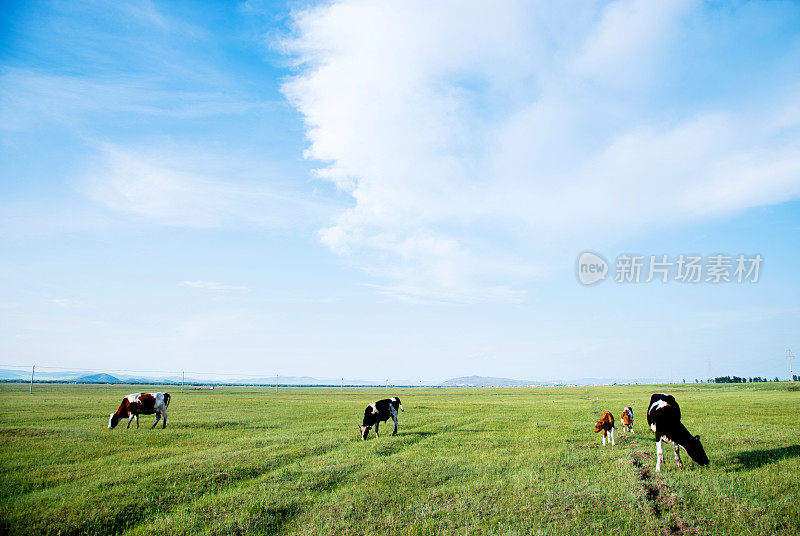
67, 303
192, 187
631, 36
211, 285
29, 99
476, 139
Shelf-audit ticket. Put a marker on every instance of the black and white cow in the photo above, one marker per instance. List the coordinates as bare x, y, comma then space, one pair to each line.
378, 412
664, 418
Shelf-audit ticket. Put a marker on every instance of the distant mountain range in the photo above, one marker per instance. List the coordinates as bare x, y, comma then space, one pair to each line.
487, 381
73, 376
103, 377
463, 381
98, 378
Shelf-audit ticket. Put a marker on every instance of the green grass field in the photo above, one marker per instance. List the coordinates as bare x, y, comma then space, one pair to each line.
466, 461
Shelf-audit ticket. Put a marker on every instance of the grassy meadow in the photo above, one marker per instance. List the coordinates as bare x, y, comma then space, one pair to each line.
240, 460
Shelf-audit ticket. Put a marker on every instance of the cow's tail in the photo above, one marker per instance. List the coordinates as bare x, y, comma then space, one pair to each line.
166, 400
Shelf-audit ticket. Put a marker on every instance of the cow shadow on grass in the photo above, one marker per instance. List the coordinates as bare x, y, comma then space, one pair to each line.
395, 444
274, 520
422, 435
752, 459
411, 437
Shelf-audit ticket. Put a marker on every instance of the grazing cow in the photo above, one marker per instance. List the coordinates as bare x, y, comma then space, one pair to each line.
378, 412
627, 419
664, 417
606, 426
141, 404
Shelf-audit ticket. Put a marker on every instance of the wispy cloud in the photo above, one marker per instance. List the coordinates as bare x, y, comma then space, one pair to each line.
524, 128
67, 303
147, 65
29, 99
155, 78
212, 285
191, 187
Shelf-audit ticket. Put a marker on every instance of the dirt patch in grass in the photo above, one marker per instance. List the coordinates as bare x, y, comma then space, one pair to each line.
660, 500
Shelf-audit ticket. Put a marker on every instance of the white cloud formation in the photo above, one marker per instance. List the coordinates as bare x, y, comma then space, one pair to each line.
475, 137
211, 285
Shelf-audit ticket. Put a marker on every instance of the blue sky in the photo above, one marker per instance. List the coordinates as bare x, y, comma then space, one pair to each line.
396, 189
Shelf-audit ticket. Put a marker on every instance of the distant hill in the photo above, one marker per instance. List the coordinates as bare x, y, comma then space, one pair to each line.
486, 381
98, 378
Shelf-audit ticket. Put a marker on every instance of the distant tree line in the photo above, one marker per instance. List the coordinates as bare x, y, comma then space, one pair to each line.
737, 379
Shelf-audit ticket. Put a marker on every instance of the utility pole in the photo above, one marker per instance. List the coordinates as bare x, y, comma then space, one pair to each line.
33, 371
276, 383
789, 355
183, 377
387, 385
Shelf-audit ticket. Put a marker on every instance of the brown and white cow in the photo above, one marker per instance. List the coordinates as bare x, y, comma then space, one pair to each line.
606, 426
137, 404
627, 419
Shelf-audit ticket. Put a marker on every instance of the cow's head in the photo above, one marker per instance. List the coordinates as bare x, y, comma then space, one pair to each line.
113, 420
598, 425
364, 431
696, 451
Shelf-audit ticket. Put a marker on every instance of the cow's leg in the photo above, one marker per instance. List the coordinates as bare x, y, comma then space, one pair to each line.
163, 419
659, 454
130, 419
612, 436
376, 429
632, 431
158, 418
678, 456
137, 421
394, 418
